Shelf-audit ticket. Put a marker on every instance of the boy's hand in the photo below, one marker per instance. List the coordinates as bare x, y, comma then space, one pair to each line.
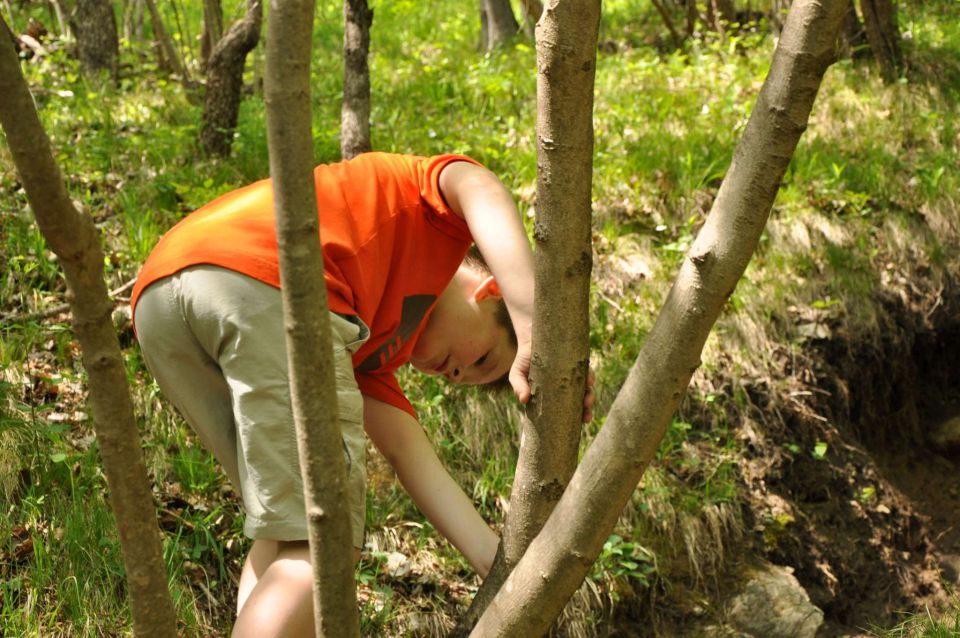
588, 396
520, 373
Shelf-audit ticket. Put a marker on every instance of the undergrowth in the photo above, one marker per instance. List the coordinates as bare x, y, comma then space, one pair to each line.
869, 202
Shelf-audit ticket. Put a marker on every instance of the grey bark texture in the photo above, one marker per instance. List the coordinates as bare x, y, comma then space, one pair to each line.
306, 319
221, 103
560, 556
550, 433
497, 23
355, 111
76, 242
96, 31
883, 34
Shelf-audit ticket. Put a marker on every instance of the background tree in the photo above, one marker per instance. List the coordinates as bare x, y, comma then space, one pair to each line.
355, 113
212, 29
167, 55
883, 34
76, 242
221, 104
560, 556
313, 390
497, 23
96, 29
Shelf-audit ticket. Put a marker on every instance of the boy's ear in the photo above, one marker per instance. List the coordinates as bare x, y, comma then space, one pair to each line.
487, 288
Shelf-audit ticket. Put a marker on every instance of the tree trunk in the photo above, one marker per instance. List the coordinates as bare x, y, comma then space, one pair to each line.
221, 104
355, 112
563, 552
550, 435
133, 20
497, 23
668, 21
77, 244
96, 31
530, 12
853, 37
307, 321
170, 55
212, 30
883, 34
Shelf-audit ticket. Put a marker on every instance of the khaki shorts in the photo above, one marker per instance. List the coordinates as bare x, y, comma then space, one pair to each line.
214, 340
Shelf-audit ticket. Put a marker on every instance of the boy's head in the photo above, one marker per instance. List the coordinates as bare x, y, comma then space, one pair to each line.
468, 337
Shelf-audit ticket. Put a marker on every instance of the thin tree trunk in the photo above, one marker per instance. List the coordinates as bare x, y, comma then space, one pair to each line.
667, 20
883, 34
133, 20
58, 15
166, 43
221, 104
530, 12
566, 64
307, 321
212, 30
560, 556
853, 36
498, 23
76, 242
355, 112
96, 31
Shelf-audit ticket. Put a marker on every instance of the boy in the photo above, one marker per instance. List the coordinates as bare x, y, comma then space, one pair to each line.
395, 230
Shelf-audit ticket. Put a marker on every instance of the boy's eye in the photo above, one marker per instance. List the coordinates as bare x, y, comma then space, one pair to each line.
480, 361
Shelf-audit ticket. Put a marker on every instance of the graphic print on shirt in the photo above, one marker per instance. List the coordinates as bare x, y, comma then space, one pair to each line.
411, 314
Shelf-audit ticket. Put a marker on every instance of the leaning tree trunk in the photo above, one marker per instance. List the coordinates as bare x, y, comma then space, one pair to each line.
560, 556
355, 112
221, 104
497, 23
76, 242
96, 31
530, 12
170, 58
883, 34
307, 321
550, 436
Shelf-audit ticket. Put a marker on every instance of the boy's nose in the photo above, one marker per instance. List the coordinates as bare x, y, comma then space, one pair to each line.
454, 375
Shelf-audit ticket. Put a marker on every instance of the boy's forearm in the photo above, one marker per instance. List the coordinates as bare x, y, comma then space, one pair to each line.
405, 446
490, 213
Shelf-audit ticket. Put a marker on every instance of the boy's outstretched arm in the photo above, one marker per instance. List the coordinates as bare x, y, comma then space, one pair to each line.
484, 202
404, 444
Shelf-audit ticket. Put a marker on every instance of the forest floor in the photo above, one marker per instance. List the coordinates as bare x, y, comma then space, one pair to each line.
809, 439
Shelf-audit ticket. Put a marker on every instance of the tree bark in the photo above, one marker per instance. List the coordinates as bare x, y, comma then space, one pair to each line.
96, 31
170, 55
221, 104
307, 321
883, 34
853, 37
560, 556
550, 432
76, 242
497, 23
212, 30
355, 112
667, 20
133, 20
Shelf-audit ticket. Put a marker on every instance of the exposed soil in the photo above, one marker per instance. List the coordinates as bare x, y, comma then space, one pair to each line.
870, 521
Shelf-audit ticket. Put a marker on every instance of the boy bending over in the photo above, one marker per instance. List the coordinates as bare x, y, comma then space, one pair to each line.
395, 230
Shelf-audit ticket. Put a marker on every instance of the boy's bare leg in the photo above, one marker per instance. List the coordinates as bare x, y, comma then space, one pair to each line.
262, 553
275, 596
281, 601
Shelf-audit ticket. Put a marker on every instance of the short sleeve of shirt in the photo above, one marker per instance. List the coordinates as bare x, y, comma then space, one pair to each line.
439, 212
384, 387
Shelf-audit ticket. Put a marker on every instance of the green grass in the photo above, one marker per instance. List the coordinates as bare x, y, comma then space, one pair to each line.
873, 182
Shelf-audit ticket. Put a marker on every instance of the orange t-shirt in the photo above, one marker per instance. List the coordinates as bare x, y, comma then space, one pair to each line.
390, 247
